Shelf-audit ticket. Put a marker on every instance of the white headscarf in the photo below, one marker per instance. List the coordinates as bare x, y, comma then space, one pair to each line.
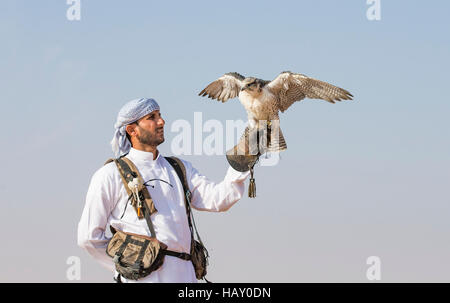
129, 113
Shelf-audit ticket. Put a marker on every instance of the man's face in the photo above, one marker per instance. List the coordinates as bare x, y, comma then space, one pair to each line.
150, 129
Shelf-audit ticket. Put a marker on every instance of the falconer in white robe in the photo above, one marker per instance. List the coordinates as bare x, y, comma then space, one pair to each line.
107, 201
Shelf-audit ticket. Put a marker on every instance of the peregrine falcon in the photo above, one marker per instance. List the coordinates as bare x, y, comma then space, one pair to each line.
263, 99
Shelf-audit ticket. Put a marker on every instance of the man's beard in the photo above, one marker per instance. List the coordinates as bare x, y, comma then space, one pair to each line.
147, 138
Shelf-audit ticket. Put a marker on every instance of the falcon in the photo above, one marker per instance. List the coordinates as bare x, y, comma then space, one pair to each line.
264, 99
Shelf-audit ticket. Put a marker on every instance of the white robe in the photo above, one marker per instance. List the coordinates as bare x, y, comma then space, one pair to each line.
106, 204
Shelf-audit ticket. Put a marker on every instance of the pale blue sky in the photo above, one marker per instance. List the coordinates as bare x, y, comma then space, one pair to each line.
361, 178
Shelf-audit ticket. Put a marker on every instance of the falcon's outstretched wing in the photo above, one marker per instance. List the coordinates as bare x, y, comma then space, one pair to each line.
291, 87
226, 87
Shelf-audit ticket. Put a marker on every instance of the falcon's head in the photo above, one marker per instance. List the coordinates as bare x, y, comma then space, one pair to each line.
253, 85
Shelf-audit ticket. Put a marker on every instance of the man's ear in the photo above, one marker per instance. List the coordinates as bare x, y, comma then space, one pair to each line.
131, 129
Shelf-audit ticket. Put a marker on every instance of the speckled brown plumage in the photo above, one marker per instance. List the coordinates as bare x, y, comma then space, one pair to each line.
264, 99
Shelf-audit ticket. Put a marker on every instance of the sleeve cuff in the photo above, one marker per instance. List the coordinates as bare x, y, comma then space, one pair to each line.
236, 176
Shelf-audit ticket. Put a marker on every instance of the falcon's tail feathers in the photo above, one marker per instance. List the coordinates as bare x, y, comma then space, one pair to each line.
276, 140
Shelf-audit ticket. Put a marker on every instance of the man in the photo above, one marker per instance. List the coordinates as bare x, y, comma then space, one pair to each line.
139, 131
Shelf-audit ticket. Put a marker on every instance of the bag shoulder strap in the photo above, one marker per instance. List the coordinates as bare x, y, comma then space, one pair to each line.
146, 194
109, 161
180, 169
128, 171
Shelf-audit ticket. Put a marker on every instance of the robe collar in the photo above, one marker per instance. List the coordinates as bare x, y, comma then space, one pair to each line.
143, 156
